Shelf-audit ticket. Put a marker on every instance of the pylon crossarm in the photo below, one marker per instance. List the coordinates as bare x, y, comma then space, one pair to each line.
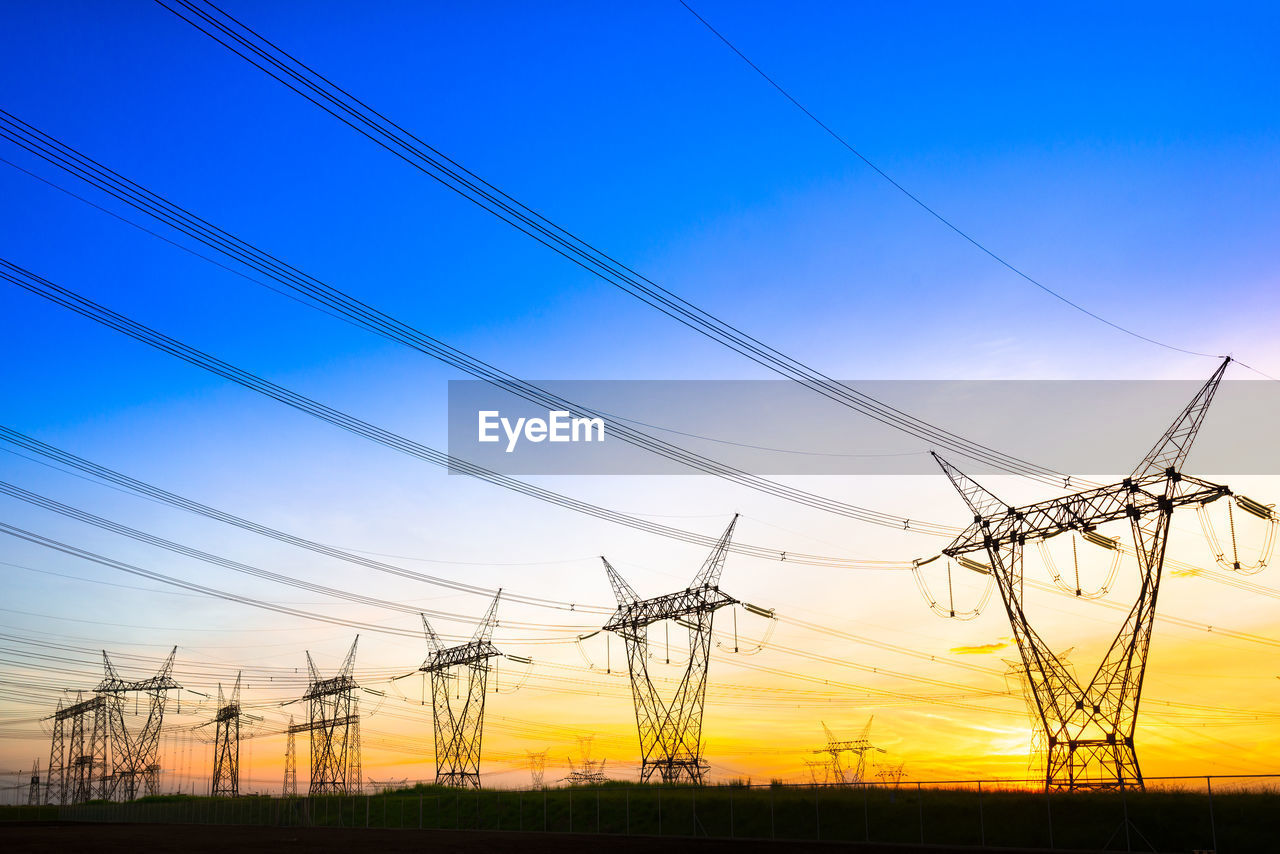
470, 653
630, 618
1085, 510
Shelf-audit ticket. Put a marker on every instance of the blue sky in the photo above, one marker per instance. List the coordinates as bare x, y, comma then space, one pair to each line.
1124, 157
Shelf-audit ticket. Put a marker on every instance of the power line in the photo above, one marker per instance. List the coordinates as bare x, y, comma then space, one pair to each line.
924, 206
339, 304
100, 314
295, 75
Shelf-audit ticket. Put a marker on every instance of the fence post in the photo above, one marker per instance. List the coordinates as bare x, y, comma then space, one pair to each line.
773, 826
982, 819
1048, 805
1124, 801
597, 810
419, 811
520, 810
694, 794
544, 810
817, 812
1213, 824
920, 805
731, 835
866, 813
659, 809
628, 794
366, 809
571, 808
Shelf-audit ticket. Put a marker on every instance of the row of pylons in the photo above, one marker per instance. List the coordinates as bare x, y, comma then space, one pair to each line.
1087, 727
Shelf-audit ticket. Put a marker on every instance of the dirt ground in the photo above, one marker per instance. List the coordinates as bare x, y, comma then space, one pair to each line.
49, 836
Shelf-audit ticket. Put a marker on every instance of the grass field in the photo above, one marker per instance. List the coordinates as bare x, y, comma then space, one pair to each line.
1235, 822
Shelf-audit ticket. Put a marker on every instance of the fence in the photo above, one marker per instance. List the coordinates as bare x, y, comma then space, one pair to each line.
1229, 815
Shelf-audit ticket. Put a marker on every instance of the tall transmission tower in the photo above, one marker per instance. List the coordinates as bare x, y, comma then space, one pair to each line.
290, 787
136, 755
458, 731
80, 752
671, 732
859, 747
334, 728
537, 767
33, 790
1090, 727
226, 743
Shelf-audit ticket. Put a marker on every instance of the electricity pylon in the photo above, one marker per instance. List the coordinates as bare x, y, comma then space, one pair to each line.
334, 714
671, 733
33, 790
290, 787
859, 747
592, 770
136, 755
458, 731
226, 744
80, 752
1090, 727
537, 767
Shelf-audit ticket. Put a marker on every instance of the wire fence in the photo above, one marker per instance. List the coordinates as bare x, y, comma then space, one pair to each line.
1224, 814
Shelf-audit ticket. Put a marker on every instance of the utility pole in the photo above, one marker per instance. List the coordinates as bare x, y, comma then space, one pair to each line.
458, 731
671, 733
1090, 726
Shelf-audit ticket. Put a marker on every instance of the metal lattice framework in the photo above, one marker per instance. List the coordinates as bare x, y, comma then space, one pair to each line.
136, 755
33, 788
1090, 727
290, 787
458, 731
671, 732
591, 771
859, 747
334, 727
226, 743
537, 768
80, 753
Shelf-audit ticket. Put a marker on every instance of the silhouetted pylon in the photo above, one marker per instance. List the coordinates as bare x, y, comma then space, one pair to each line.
671, 732
459, 731
1089, 728
334, 728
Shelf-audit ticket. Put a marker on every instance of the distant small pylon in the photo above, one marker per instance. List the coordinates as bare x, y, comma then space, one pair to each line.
33, 791
537, 767
290, 764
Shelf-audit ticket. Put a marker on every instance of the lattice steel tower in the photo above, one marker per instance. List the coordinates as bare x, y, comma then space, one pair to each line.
226, 744
458, 731
334, 728
859, 747
33, 789
136, 755
1090, 727
671, 733
290, 787
80, 753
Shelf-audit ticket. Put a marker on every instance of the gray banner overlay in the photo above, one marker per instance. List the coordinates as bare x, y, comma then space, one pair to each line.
776, 427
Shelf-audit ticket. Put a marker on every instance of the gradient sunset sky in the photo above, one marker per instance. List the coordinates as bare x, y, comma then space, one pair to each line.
1125, 158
